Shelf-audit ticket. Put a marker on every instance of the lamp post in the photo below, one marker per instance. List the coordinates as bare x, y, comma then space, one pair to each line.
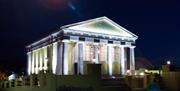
168, 62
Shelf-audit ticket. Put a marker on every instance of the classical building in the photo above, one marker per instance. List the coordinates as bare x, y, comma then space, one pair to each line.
72, 47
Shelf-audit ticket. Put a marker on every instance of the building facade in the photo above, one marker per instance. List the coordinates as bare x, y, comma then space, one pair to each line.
72, 47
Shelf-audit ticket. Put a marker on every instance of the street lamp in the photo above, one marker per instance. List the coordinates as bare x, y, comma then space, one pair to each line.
168, 62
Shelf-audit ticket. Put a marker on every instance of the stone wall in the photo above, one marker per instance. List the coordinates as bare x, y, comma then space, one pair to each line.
172, 80
50, 82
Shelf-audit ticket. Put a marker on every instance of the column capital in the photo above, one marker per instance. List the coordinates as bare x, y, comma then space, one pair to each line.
132, 47
122, 46
28, 52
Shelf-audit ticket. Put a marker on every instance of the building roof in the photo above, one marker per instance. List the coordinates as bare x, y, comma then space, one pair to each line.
102, 25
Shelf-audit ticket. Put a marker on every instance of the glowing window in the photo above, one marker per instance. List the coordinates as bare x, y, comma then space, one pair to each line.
88, 52
102, 52
116, 54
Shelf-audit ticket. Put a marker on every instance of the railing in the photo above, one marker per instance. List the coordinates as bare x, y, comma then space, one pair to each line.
24, 81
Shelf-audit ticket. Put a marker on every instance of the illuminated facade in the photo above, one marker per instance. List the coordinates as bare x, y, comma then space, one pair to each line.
97, 41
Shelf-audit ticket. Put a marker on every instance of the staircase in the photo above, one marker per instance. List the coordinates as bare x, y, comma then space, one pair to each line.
116, 84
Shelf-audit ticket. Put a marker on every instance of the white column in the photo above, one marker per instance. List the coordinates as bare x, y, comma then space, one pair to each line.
132, 59
110, 49
123, 61
106, 58
45, 58
106, 53
75, 58
54, 58
65, 61
76, 53
29, 63
33, 62
59, 68
120, 61
80, 58
37, 68
41, 59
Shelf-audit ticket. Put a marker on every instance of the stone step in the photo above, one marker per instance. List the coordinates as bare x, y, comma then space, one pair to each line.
116, 88
113, 82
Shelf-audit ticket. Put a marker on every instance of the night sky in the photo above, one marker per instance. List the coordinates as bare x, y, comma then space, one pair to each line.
156, 22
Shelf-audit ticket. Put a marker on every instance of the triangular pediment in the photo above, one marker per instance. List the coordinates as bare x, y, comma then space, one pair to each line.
102, 25
94, 27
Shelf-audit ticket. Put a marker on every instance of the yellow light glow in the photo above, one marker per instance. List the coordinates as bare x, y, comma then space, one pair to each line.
135, 73
128, 71
141, 74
